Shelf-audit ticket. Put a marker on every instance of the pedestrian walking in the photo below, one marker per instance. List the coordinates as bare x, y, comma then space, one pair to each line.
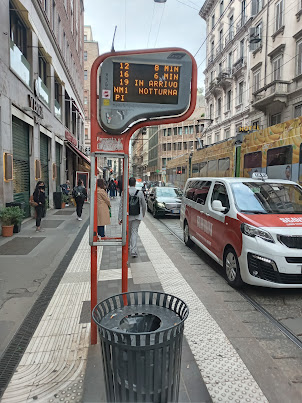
39, 200
66, 190
112, 188
80, 194
116, 183
103, 206
137, 211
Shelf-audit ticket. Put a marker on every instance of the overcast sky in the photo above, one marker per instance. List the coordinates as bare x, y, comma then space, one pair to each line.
145, 24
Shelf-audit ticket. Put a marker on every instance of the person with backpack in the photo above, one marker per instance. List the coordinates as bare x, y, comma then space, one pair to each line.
137, 211
80, 194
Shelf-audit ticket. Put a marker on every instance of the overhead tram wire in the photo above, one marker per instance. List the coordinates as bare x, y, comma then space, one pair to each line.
187, 5
151, 24
161, 17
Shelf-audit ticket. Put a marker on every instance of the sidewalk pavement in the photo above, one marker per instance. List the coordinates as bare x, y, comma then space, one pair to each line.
60, 365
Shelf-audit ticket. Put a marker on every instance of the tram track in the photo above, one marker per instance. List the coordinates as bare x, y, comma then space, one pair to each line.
275, 322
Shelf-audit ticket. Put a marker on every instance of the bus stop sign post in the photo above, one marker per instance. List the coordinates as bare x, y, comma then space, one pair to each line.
136, 89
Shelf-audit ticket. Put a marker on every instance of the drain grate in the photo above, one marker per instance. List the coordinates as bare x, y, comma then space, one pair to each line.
15, 350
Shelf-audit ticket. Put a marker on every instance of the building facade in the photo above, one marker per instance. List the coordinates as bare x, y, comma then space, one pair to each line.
276, 62
41, 96
227, 71
254, 65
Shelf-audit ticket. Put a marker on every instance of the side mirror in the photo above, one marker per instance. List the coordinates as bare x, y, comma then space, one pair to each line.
217, 206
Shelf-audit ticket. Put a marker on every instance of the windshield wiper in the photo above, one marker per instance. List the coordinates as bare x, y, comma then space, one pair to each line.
254, 212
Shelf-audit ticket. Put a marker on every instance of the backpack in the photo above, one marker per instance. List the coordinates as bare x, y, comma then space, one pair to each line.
78, 193
134, 206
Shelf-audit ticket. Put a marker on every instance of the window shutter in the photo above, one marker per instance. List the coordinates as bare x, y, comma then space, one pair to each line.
254, 7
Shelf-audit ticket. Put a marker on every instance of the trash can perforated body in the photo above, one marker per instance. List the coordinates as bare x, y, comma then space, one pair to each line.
141, 345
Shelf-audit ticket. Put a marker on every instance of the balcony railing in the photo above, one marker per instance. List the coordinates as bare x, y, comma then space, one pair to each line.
58, 110
229, 37
211, 58
224, 74
241, 22
299, 11
241, 62
43, 91
19, 64
219, 49
275, 87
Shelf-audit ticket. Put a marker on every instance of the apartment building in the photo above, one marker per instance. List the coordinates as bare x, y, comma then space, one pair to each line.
41, 96
275, 62
228, 66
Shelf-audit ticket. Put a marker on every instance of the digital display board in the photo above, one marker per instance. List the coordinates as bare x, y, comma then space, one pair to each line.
146, 83
143, 86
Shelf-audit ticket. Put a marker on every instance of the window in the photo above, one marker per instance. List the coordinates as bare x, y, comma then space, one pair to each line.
18, 31
231, 23
165, 132
178, 146
54, 16
240, 93
85, 55
85, 100
220, 39
190, 145
195, 168
275, 119
256, 6
212, 168
42, 68
299, 56
185, 145
221, 7
252, 163
219, 107
227, 133
175, 131
186, 129
191, 130
59, 32
220, 193
279, 15
86, 134
164, 162
298, 111
211, 111
169, 147
257, 34
277, 68
229, 100
217, 137
85, 38
164, 147
256, 83
224, 167
242, 48
85, 74
180, 131
212, 50
169, 131
209, 139
174, 146
57, 91
213, 21
203, 169
279, 162
230, 60
220, 67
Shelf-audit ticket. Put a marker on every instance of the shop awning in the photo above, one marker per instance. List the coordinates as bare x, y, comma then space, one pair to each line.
80, 154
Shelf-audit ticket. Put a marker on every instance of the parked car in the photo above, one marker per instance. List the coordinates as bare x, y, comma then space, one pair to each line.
164, 201
250, 226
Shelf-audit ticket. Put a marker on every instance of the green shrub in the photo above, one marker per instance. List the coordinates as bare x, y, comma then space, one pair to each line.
65, 198
11, 215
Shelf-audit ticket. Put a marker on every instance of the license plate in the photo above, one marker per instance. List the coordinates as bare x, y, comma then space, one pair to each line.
175, 211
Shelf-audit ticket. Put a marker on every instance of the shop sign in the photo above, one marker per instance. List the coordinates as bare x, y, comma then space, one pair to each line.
247, 129
36, 108
69, 137
110, 144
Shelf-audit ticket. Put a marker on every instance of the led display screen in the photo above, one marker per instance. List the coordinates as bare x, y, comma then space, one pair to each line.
146, 83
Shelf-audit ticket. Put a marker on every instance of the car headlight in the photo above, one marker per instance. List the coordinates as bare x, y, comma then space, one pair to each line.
252, 231
161, 205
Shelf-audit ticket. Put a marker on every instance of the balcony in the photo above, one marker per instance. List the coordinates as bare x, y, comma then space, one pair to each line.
219, 49
211, 58
58, 110
43, 91
241, 23
229, 37
225, 78
214, 87
19, 64
238, 66
273, 94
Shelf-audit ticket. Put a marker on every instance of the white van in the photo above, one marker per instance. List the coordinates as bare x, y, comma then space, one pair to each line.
252, 227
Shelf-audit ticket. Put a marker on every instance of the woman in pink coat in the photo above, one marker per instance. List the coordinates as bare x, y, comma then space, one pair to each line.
103, 205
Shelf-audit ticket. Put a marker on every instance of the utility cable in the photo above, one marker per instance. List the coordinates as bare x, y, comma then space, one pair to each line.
160, 24
151, 24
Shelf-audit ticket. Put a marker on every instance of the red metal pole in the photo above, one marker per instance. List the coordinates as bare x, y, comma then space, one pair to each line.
125, 247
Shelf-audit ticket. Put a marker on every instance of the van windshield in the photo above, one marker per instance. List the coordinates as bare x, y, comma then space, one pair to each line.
267, 198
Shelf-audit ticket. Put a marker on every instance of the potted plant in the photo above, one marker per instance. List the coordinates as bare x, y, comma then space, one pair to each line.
65, 200
10, 216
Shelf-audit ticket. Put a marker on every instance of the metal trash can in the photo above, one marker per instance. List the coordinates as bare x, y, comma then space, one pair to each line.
141, 340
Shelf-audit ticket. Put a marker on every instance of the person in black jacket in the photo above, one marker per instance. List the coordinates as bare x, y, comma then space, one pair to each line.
80, 194
39, 198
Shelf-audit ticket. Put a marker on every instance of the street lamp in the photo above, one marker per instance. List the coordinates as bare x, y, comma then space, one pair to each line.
160, 1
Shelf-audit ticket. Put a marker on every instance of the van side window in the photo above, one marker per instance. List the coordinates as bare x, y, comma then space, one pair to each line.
201, 193
220, 193
279, 162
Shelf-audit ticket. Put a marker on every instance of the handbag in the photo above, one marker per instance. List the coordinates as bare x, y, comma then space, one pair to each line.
32, 202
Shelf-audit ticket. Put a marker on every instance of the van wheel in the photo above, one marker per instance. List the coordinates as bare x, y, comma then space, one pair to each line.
232, 268
187, 239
